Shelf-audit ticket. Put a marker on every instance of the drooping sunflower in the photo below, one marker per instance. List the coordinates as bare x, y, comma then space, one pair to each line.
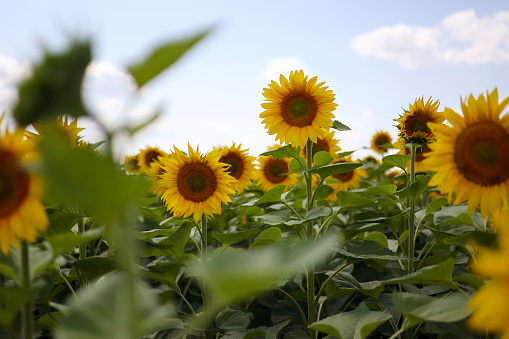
148, 155
297, 109
131, 164
271, 171
471, 158
241, 167
22, 213
413, 124
69, 130
326, 143
491, 310
379, 139
349, 180
420, 153
195, 184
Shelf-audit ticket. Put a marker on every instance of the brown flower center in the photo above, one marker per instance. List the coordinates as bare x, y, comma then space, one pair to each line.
481, 153
299, 109
14, 184
274, 169
344, 177
133, 164
151, 156
236, 164
417, 123
382, 140
196, 182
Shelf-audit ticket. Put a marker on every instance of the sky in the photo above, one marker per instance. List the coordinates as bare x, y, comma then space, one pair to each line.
376, 56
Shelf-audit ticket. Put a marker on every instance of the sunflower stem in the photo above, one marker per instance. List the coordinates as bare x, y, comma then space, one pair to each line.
26, 312
204, 292
309, 235
82, 247
411, 218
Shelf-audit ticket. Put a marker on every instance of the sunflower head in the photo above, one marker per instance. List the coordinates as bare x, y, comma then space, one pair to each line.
413, 124
371, 159
298, 109
325, 143
380, 141
132, 164
68, 130
148, 155
471, 157
271, 172
22, 214
195, 184
155, 172
241, 165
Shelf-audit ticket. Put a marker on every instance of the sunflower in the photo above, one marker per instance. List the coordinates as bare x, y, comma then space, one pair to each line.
421, 151
270, 172
297, 110
69, 130
413, 124
471, 158
241, 166
490, 310
326, 143
195, 184
371, 159
22, 214
349, 180
380, 139
148, 155
131, 164
155, 171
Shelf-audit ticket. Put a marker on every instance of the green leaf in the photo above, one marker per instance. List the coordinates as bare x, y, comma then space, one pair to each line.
470, 279
346, 281
296, 166
175, 243
339, 168
276, 218
55, 86
356, 324
458, 216
271, 236
164, 272
435, 205
379, 238
66, 243
396, 160
323, 192
95, 267
161, 58
62, 222
367, 250
322, 158
440, 274
221, 221
420, 308
284, 152
232, 319
318, 212
382, 190
259, 332
104, 311
11, 301
415, 190
348, 200
271, 196
227, 239
339, 126
344, 154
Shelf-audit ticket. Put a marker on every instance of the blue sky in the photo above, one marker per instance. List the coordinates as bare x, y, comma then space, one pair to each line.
377, 56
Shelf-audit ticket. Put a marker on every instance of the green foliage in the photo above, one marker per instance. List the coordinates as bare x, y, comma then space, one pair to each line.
339, 126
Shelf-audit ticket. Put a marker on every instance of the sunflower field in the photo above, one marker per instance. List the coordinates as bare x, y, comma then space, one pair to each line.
303, 241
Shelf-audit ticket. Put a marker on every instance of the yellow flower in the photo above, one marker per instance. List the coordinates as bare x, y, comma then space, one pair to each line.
148, 155
297, 110
490, 309
241, 166
413, 124
372, 159
270, 170
155, 172
421, 151
379, 139
22, 214
349, 180
471, 158
326, 143
194, 184
131, 164
68, 130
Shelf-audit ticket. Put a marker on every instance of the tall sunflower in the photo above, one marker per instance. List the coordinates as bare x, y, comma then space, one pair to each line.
349, 180
241, 166
271, 171
69, 130
195, 184
471, 158
22, 214
131, 164
297, 109
420, 153
379, 139
326, 143
148, 155
413, 124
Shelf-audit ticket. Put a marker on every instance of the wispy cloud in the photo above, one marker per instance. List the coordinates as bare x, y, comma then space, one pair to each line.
460, 38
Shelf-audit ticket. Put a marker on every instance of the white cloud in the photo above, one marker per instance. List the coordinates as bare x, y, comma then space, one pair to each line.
11, 73
460, 38
284, 66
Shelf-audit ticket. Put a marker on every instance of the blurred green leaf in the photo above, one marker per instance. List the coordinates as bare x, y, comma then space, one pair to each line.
232, 319
348, 200
396, 160
276, 218
367, 250
227, 239
382, 190
62, 222
440, 274
271, 236
339, 126
323, 192
161, 58
54, 88
458, 216
259, 332
339, 168
11, 301
356, 324
164, 272
436, 205
66, 242
415, 190
322, 158
271, 196
346, 281
344, 154
95, 267
284, 152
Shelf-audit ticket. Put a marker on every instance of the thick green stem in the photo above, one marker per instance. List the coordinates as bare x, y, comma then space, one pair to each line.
26, 312
309, 235
411, 219
204, 291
